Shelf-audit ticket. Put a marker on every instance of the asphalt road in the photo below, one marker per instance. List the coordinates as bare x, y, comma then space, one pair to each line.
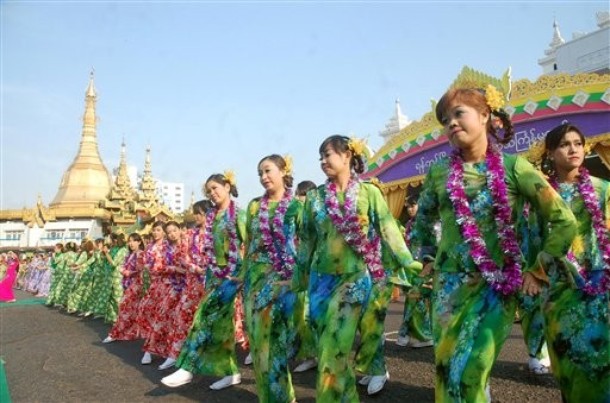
51, 356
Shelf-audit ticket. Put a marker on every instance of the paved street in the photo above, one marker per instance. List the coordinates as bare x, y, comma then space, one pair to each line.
51, 356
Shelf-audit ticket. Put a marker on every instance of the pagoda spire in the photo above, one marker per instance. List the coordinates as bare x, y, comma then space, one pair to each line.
557, 39
87, 181
148, 185
122, 185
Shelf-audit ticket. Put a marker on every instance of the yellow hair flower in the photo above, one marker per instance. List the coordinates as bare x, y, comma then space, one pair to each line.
357, 146
535, 152
288, 168
230, 177
494, 98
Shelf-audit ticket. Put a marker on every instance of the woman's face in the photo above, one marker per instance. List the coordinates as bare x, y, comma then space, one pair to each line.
333, 163
157, 233
270, 176
570, 154
173, 233
199, 218
134, 244
464, 125
217, 193
412, 210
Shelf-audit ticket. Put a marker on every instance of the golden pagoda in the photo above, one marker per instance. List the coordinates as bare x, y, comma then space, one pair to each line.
87, 181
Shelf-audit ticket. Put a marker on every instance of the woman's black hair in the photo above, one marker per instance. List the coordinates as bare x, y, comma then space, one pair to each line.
304, 187
552, 142
220, 178
340, 144
280, 162
202, 206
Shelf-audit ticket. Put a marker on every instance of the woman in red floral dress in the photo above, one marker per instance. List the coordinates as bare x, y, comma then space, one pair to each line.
126, 327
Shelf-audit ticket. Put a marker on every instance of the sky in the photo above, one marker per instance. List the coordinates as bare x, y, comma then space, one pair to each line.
218, 85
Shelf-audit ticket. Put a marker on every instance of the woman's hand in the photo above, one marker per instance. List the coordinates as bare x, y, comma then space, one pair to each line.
531, 285
427, 270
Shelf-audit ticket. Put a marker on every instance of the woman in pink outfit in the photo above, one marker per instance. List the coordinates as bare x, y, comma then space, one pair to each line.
6, 285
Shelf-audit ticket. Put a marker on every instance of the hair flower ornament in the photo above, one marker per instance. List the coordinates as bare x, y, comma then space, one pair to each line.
230, 177
494, 98
289, 165
357, 146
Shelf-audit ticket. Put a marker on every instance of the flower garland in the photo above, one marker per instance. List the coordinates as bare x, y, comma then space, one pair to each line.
273, 234
130, 265
176, 279
208, 242
587, 192
507, 280
348, 225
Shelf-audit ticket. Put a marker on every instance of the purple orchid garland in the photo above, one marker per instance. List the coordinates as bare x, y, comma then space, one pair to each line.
348, 225
208, 242
273, 234
507, 280
587, 192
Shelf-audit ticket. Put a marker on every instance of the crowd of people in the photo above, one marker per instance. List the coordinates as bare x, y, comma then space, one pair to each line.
306, 274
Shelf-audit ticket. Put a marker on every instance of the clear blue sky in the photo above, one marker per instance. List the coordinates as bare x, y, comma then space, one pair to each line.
216, 85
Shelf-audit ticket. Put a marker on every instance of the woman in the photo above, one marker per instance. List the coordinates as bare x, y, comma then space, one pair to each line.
576, 306
268, 267
155, 263
7, 283
126, 327
477, 193
344, 223
210, 345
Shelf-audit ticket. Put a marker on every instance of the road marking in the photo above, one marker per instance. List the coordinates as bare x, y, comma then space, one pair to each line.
5, 396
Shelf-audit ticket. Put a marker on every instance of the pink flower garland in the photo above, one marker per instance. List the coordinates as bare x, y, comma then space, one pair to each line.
273, 234
507, 280
587, 192
348, 225
208, 242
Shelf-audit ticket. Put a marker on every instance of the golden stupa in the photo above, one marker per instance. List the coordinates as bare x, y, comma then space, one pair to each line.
86, 181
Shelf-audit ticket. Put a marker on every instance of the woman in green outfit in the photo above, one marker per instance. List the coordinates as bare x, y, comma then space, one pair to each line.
344, 222
269, 301
209, 348
576, 305
83, 277
56, 267
64, 276
477, 193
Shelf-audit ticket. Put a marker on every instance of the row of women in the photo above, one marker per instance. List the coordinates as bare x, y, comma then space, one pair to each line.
506, 229
87, 279
35, 275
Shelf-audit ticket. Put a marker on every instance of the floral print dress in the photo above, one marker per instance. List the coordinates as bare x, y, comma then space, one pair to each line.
339, 282
126, 327
577, 325
470, 321
209, 348
269, 306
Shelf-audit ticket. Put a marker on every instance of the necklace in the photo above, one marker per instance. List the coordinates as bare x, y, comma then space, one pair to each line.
348, 225
587, 192
208, 242
273, 235
507, 280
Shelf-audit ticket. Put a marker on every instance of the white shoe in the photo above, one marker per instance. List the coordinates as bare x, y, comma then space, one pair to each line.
365, 380
306, 365
488, 393
537, 367
248, 360
377, 383
226, 382
146, 359
420, 344
402, 341
109, 339
178, 378
167, 364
